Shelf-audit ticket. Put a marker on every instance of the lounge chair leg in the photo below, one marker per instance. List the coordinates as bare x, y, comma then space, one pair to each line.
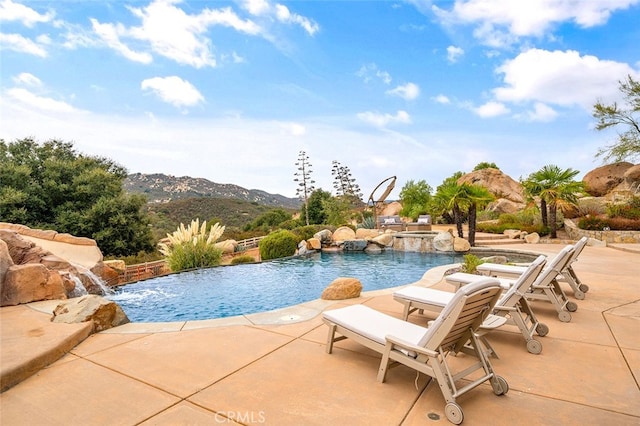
330, 338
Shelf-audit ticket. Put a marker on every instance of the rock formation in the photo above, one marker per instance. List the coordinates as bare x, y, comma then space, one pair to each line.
603, 180
509, 193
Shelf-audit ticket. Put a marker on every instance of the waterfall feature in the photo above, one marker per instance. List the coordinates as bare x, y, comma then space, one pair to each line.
95, 285
79, 289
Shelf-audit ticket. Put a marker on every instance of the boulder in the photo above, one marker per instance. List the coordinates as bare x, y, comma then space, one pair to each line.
373, 248
354, 245
602, 180
391, 209
29, 283
17, 245
502, 205
343, 233
342, 288
104, 313
366, 234
498, 183
461, 245
314, 244
302, 248
385, 240
324, 236
227, 246
633, 173
533, 238
443, 241
5, 261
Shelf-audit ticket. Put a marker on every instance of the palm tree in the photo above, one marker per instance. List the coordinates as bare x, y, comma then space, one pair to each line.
478, 197
452, 198
556, 188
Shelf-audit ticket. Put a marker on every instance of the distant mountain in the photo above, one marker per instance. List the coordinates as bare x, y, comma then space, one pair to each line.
160, 188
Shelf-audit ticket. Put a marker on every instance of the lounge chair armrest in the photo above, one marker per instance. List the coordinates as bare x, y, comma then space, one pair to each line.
410, 347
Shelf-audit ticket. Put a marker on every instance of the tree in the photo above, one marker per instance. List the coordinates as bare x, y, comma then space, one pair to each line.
451, 198
485, 165
440, 201
415, 197
316, 207
305, 183
478, 197
51, 186
556, 188
628, 143
345, 184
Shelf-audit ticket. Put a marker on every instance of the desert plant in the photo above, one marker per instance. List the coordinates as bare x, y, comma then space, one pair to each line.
278, 244
470, 264
190, 247
628, 210
368, 223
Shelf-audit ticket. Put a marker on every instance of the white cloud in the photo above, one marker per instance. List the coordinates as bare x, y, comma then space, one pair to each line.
454, 53
47, 104
561, 78
542, 112
284, 15
382, 120
409, 91
502, 22
369, 71
441, 99
173, 90
27, 79
109, 34
294, 129
11, 11
491, 109
21, 44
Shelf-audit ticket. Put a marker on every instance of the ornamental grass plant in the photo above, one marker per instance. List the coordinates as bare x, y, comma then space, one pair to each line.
192, 247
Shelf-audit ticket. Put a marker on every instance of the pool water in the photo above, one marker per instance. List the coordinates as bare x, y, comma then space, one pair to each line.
249, 288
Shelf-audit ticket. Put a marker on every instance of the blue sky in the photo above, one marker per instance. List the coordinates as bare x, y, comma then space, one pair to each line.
232, 91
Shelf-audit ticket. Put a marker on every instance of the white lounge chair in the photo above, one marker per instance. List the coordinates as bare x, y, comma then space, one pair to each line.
546, 288
512, 305
426, 349
567, 274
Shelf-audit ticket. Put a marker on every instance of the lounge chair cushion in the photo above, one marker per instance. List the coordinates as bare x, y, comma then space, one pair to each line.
375, 325
425, 295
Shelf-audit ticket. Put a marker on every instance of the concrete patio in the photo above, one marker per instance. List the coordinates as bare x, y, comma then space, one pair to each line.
272, 368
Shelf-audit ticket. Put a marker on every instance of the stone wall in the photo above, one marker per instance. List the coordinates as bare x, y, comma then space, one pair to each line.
620, 237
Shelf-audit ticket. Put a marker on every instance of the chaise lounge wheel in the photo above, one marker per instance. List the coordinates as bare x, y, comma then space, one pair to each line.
534, 347
454, 413
499, 385
564, 316
572, 306
584, 288
542, 329
578, 295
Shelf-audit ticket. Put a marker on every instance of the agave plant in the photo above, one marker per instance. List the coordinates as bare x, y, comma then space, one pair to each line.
191, 247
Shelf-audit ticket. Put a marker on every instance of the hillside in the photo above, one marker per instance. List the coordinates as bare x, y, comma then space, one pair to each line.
161, 188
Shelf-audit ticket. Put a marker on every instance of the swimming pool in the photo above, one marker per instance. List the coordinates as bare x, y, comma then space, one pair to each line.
245, 289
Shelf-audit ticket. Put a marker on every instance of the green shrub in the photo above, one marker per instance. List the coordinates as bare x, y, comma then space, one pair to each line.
245, 258
278, 244
470, 264
306, 232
